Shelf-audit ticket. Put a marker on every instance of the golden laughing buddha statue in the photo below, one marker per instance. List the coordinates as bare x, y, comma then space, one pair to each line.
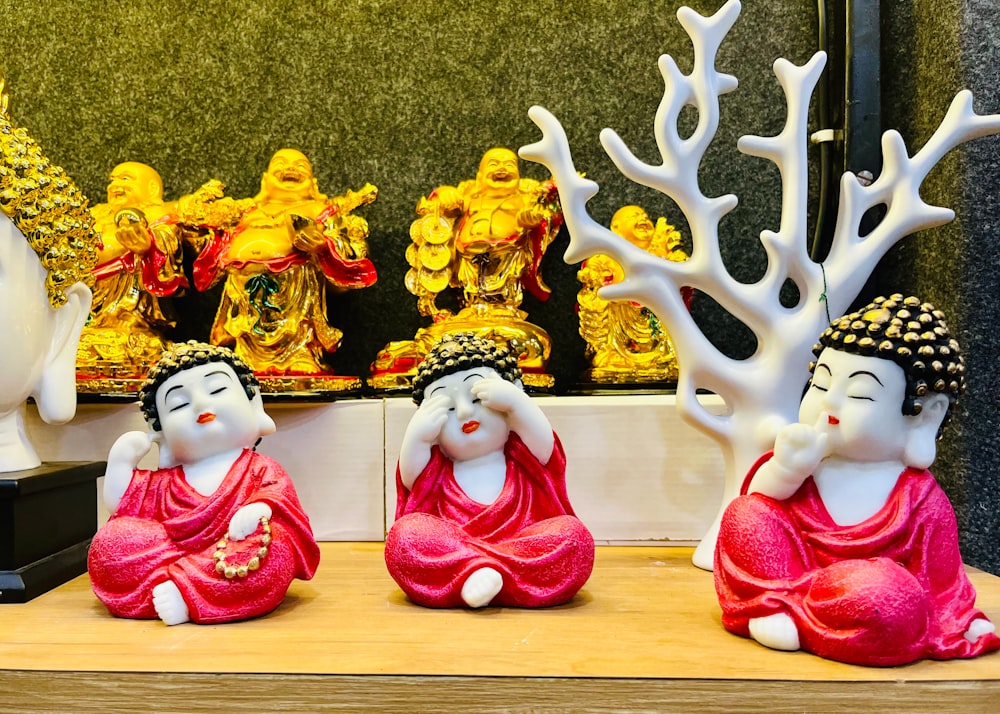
279, 254
139, 263
485, 238
626, 342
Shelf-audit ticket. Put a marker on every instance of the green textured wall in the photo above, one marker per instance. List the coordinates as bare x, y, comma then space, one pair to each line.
931, 50
407, 95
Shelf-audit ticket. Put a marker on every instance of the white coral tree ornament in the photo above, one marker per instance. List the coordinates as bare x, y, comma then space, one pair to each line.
761, 392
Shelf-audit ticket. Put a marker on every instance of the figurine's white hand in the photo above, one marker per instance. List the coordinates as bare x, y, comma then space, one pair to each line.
799, 448
124, 456
523, 415
499, 395
423, 431
426, 424
246, 519
130, 447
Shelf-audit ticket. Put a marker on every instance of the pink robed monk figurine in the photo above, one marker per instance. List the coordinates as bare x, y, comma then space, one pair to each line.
217, 532
844, 545
482, 515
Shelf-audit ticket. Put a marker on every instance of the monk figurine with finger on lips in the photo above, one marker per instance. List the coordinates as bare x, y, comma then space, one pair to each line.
843, 543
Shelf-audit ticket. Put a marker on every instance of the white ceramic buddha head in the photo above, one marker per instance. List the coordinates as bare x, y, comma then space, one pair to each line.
47, 252
38, 357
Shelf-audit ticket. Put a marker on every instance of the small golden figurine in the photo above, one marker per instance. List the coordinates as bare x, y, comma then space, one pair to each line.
626, 342
279, 253
486, 237
139, 263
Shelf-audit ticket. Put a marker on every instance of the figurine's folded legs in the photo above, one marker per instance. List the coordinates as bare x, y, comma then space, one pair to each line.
844, 611
128, 558
212, 598
546, 564
757, 538
856, 608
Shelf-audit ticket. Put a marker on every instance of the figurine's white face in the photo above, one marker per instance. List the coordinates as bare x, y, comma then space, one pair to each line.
26, 318
204, 411
471, 429
858, 401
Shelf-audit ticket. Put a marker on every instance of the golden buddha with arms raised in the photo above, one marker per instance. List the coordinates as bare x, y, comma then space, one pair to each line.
279, 253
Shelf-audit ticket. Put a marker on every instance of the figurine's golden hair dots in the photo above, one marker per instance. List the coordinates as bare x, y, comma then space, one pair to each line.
47, 207
462, 351
911, 333
185, 355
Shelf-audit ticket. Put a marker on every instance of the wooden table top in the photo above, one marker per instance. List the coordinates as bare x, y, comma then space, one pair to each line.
646, 618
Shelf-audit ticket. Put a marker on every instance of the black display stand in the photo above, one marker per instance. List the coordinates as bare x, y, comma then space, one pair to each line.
48, 516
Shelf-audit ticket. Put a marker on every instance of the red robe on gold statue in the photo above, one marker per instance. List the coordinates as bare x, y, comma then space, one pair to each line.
529, 534
165, 530
889, 590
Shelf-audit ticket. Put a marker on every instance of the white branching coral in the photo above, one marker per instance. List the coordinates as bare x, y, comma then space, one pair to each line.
761, 392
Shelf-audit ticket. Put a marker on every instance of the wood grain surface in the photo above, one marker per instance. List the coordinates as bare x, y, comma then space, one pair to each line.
643, 635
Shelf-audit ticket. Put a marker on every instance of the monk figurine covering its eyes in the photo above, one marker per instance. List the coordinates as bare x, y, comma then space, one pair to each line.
482, 513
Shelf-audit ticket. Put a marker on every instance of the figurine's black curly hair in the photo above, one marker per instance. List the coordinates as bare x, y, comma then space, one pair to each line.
911, 333
184, 355
461, 351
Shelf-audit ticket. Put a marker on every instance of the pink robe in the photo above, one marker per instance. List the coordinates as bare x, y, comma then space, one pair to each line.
529, 534
887, 591
165, 530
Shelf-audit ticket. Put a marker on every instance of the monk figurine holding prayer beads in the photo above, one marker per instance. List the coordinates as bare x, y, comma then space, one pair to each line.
843, 544
216, 533
482, 513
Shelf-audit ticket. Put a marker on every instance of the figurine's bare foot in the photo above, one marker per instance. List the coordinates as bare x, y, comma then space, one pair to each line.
169, 604
481, 587
979, 627
776, 631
